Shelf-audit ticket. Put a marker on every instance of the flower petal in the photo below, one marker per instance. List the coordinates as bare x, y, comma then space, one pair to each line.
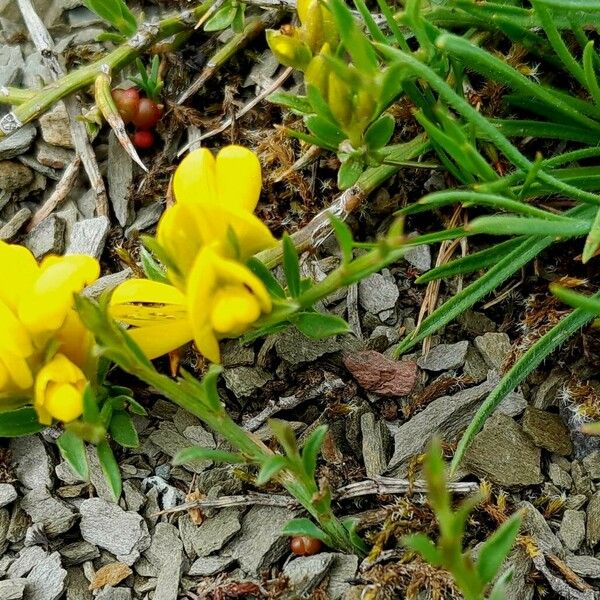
156, 340
14, 337
146, 290
46, 306
63, 401
19, 370
194, 179
19, 267
238, 177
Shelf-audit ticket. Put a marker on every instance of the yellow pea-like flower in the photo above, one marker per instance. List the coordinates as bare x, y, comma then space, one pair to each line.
38, 324
289, 50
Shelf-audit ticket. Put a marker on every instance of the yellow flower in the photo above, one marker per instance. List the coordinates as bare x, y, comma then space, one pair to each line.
222, 299
59, 389
37, 317
289, 50
215, 201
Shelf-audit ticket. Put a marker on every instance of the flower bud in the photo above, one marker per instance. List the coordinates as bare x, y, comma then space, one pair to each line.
339, 98
289, 50
317, 73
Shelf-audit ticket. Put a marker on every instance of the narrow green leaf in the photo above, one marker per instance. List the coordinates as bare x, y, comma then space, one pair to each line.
495, 549
305, 526
499, 590
293, 102
343, 235
271, 283
270, 468
20, 422
420, 543
380, 131
509, 225
284, 434
575, 299
208, 386
324, 129
291, 265
349, 172
222, 19
319, 325
123, 430
200, 454
311, 449
592, 241
72, 449
151, 268
91, 414
110, 469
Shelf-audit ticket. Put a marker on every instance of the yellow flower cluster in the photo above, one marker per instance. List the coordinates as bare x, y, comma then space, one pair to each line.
45, 351
207, 236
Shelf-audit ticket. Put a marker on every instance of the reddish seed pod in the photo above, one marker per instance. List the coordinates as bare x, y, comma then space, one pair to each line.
303, 545
143, 139
148, 114
127, 102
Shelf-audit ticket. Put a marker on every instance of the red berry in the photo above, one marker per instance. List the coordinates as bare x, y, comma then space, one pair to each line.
127, 102
143, 139
148, 114
303, 545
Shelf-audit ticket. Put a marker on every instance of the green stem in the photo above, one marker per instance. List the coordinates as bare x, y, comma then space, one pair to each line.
14, 96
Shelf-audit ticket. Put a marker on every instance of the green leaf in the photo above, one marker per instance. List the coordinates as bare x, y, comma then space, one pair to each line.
495, 549
575, 299
380, 132
420, 543
350, 170
319, 325
293, 102
285, 435
110, 469
222, 19
291, 265
239, 20
508, 225
592, 242
304, 526
152, 270
209, 389
351, 525
325, 130
200, 454
116, 13
499, 590
270, 468
16, 423
123, 430
311, 449
72, 449
343, 235
91, 414
273, 286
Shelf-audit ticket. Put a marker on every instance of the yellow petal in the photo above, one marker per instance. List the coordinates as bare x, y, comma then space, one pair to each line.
14, 337
194, 179
238, 177
19, 271
76, 342
5, 379
51, 297
18, 369
156, 340
147, 291
200, 289
234, 309
63, 401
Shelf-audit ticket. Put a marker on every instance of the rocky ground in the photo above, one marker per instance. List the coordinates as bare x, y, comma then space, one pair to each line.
64, 538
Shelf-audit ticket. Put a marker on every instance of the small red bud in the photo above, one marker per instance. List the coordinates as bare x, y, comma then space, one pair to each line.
148, 114
127, 102
303, 545
143, 139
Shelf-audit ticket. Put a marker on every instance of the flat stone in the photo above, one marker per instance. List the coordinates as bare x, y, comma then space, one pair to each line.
559, 477
144, 219
8, 494
342, 570
520, 586
586, 566
33, 464
4, 525
295, 348
18, 142
547, 431
54, 157
27, 558
444, 357
378, 293
19, 522
46, 581
207, 566
89, 237
545, 395
374, 441
419, 257
447, 417
11, 65
244, 381
494, 347
12, 589
77, 585
170, 441
260, 541
112, 593
534, 523
592, 465
504, 454
78, 552
572, 529
475, 367
306, 572
124, 534
47, 238
120, 179
377, 373
35, 73
593, 520
14, 175
56, 127
55, 516
107, 283
14, 224
213, 533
